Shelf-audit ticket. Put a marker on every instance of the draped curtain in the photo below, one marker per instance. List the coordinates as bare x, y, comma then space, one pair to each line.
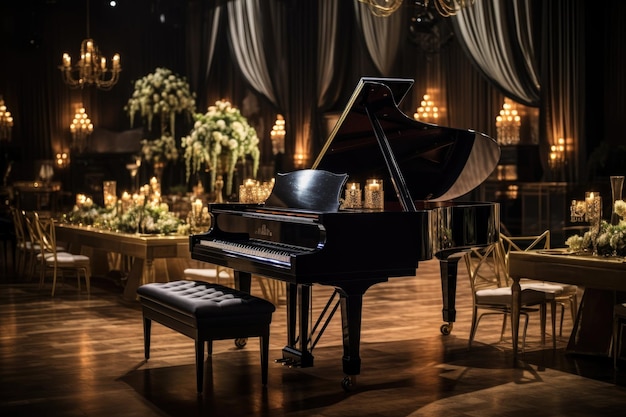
383, 35
245, 28
202, 30
501, 39
563, 78
301, 76
498, 36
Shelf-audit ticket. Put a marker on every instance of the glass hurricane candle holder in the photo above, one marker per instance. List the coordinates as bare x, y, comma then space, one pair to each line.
109, 193
577, 211
352, 198
593, 207
374, 196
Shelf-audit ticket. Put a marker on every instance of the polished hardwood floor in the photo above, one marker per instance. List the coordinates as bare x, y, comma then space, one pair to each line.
74, 355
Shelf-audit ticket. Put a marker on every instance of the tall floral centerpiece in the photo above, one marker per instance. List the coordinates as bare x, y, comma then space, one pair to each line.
610, 240
161, 94
160, 97
219, 138
159, 151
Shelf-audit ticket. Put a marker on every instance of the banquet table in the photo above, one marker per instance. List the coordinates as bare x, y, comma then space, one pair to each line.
585, 270
143, 250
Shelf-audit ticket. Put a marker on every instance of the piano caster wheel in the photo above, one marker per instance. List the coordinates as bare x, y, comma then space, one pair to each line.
241, 342
348, 383
446, 329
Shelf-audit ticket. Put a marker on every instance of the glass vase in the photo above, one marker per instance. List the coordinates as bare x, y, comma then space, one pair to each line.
617, 183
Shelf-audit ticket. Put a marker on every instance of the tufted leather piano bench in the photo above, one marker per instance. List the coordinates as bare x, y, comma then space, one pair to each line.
205, 312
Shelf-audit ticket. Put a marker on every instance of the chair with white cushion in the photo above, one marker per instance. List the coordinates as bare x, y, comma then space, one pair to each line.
55, 260
491, 292
566, 294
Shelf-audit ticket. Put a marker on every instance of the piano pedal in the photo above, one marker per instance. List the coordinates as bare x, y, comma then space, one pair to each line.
290, 362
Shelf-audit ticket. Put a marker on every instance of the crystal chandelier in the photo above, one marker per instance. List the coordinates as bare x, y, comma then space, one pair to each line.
6, 122
446, 8
81, 128
427, 111
91, 68
277, 135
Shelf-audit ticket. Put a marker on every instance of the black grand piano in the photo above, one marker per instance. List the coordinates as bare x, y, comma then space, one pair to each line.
302, 236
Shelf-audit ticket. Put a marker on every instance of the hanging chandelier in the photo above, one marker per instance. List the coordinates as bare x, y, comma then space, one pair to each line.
6, 122
446, 8
81, 127
91, 68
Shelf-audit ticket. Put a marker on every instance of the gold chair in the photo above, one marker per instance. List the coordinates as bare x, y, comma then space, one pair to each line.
23, 245
564, 293
53, 258
491, 292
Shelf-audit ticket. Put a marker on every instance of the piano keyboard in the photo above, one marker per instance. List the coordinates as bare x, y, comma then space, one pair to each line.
258, 251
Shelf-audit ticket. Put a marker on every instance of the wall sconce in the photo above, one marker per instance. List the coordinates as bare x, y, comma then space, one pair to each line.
508, 123
277, 135
6, 122
62, 160
81, 127
427, 111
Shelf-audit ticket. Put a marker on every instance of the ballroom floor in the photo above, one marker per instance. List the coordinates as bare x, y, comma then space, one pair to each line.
76, 356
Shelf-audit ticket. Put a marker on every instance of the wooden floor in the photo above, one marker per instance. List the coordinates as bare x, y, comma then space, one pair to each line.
77, 356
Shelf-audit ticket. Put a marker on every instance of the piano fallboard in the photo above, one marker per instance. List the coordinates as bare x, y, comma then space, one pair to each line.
303, 247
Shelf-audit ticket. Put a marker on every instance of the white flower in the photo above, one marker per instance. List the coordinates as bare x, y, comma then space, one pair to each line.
620, 208
162, 149
161, 94
222, 132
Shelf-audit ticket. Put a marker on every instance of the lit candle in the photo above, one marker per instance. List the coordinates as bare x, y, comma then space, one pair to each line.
197, 207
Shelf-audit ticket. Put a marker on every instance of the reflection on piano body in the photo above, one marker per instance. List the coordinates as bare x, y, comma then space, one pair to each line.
300, 235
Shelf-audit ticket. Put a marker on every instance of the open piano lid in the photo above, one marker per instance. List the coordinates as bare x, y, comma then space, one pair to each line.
423, 161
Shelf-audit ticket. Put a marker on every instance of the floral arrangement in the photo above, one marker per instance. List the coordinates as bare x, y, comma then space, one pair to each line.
148, 218
610, 240
218, 139
162, 149
163, 94
87, 214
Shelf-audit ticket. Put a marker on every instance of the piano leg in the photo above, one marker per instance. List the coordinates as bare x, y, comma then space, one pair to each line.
243, 281
448, 270
351, 313
297, 352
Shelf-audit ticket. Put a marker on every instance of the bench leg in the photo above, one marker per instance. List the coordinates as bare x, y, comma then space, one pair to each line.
147, 324
265, 347
199, 364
